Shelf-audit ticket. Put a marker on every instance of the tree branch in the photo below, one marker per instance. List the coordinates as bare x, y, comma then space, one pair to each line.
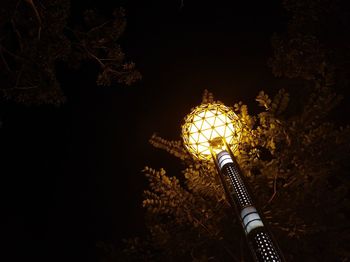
13, 24
290, 182
93, 56
211, 234
274, 189
25, 87
99, 26
10, 53
4, 60
37, 15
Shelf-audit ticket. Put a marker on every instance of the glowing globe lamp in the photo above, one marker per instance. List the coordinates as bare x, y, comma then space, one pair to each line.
212, 132
208, 128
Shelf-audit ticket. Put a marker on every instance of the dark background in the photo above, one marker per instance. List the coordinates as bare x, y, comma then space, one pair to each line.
71, 176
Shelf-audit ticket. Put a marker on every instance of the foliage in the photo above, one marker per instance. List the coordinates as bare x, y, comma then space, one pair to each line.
316, 45
297, 168
295, 161
35, 36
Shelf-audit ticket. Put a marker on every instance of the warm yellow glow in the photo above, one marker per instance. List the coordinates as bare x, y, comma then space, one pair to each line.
209, 123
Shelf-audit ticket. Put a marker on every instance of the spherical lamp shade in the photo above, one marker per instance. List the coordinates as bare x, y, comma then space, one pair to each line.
209, 123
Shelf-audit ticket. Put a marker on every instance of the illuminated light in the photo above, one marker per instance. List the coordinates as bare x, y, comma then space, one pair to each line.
253, 224
251, 219
208, 123
224, 158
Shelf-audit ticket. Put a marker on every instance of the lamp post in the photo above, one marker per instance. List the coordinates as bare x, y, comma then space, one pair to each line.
210, 133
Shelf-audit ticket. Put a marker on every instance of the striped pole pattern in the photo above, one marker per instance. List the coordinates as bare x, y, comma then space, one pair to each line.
260, 241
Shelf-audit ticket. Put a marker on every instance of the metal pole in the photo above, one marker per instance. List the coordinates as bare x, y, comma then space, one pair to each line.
262, 245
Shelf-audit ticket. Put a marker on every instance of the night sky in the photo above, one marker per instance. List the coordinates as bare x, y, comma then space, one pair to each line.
71, 176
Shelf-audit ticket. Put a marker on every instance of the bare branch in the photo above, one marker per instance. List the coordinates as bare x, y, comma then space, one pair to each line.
25, 87
4, 60
99, 26
93, 56
13, 24
18, 78
274, 189
37, 15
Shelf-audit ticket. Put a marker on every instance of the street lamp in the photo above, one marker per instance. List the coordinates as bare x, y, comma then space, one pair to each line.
210, 133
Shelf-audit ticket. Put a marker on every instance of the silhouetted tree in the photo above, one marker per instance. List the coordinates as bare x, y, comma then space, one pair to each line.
35, 35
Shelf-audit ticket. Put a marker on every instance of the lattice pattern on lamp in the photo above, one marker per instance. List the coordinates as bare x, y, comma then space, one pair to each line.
207, 122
